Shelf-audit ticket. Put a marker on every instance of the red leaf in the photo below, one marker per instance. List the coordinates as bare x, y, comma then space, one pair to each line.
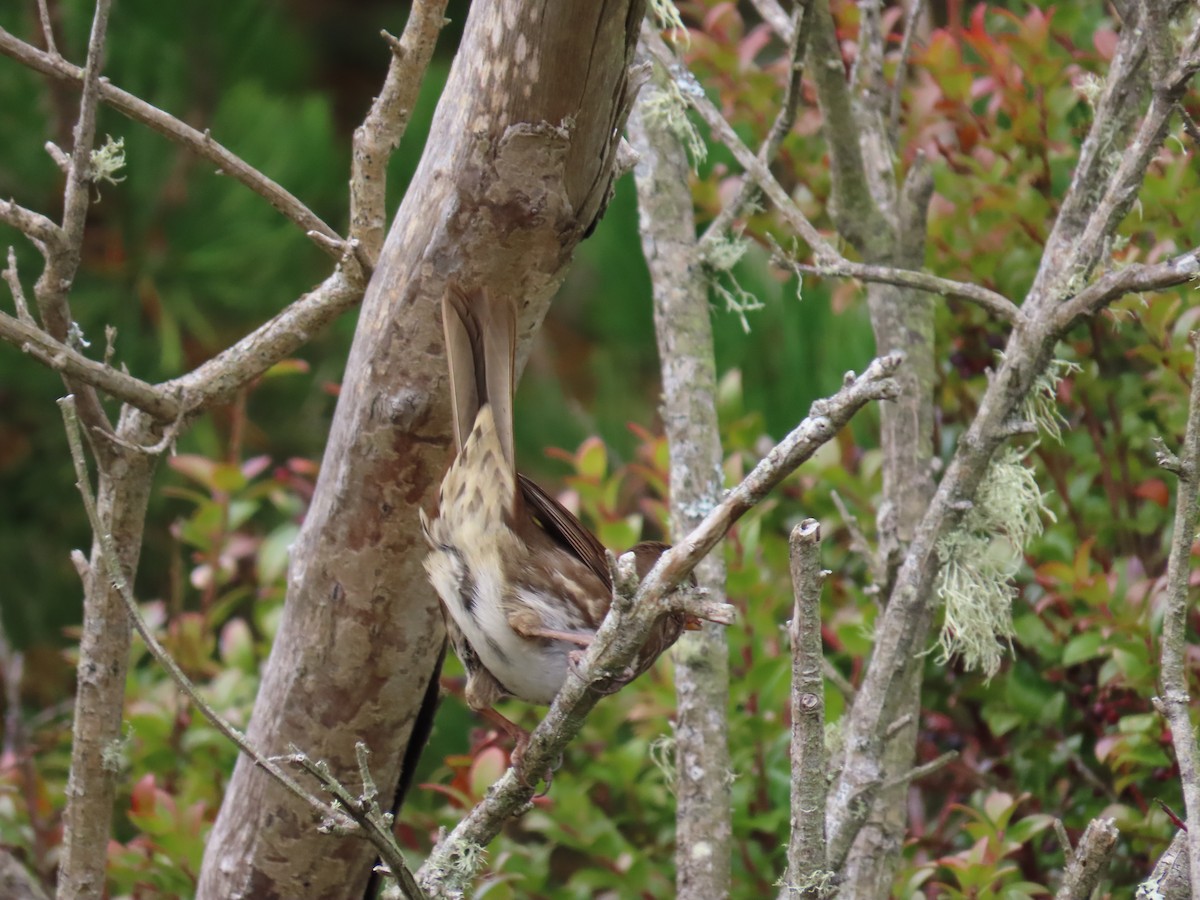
1154, 489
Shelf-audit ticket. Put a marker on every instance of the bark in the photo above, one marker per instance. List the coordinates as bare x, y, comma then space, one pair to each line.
1175, 700
886, 225
15, 882
517, 168
122, 496
685, 347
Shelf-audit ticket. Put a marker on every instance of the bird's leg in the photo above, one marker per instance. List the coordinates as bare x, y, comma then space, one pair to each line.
520, 739
527, 622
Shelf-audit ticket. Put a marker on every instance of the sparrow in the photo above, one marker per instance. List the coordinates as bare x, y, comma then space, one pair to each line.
524, 585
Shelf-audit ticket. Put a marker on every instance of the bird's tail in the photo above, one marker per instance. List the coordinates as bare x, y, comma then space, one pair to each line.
481, 340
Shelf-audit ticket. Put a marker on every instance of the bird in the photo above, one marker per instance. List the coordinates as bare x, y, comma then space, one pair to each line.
523, 583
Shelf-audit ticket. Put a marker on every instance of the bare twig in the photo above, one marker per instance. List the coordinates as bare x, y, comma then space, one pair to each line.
840, 681
758, 170
996, 304
1175, 700
622, 634
913, 18
199, 142
47, 29
60, 159
116, 573
364, 809
77, 367
1129, 280
64, 252
384, 126
853, 204
15, 882
776, 16
13, 280
45, 235
779, 129
79, 176
221, 377
1064, 839
807, 875
1086, 866
918, 772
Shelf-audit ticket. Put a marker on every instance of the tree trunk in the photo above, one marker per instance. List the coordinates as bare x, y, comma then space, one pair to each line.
517, 168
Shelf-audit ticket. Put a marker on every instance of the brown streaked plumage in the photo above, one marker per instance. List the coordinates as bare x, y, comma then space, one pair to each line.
524, 584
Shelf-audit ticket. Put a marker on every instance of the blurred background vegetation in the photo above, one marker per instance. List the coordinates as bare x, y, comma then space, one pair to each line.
183, 262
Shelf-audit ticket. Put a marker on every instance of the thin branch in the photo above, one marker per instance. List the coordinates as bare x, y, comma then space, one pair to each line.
15, 882
13, 280
384, 125
452, 862
1087, 865
918, 772
39, 229
117, 575
784, 120
991, 301
912, 20
1169, 880
157, 401
79, 180
776, 16
759, 171
1175, 701
220, 378
199, 142
364, 809
1114, 112
807, 875
64, 254
47, 29
856, 211
839, 681
1132, 279
684, 333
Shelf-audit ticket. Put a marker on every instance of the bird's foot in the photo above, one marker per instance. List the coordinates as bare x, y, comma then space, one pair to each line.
520, 739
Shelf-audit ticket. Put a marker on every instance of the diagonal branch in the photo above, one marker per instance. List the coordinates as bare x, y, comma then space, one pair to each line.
218, 379
77, 367
46, 236
199, 142
757, 169
452, 862
783, 123
384, 126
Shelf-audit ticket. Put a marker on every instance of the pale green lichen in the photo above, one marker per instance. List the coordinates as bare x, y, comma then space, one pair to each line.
456, 872
662, 755
821, 883
106, 162
114, 757
664, 106
1041, 404
666, 18
979, 559
1090, 88
720, 256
